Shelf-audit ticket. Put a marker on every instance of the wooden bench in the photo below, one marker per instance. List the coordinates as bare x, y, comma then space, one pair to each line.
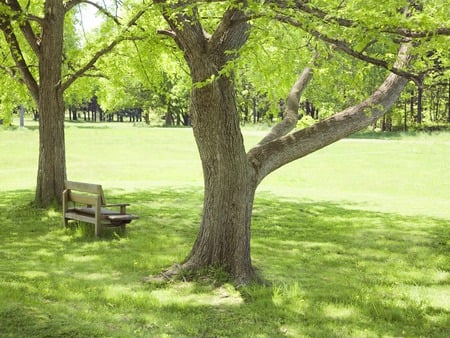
85, 202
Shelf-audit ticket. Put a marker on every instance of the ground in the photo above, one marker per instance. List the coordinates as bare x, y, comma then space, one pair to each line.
354, 240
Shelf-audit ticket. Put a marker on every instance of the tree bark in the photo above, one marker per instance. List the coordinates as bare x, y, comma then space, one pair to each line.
229, 186
52, 163
448, 102
419, 103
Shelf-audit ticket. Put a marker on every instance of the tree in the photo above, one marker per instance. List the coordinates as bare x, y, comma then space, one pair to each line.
145, 74
211, 49
35, 34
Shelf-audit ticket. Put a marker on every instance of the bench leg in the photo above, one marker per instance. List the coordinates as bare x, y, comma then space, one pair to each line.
98, 229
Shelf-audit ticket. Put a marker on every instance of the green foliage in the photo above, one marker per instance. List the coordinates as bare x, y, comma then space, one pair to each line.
6, 109
151, 80
305, 122
12, 95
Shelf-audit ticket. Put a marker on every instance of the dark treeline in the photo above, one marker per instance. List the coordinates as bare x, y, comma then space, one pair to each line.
90, 110
420, 107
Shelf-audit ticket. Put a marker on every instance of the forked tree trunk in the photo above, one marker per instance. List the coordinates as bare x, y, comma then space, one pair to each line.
230, 182
52, 163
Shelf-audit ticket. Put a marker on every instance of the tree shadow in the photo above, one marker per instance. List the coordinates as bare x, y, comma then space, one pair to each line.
335, 271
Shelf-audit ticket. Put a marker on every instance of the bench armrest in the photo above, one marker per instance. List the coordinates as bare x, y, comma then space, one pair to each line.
123, 206
116, 205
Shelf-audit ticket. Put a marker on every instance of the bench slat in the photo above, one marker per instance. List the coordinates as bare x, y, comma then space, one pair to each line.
84, 199
79, 217
85, 187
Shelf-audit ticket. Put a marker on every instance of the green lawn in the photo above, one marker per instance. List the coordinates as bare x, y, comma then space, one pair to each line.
354, 239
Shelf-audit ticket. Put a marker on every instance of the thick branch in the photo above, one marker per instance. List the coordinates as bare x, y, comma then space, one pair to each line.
224, 35
290, 117
17, 55
186, 30
272, 155
25, 26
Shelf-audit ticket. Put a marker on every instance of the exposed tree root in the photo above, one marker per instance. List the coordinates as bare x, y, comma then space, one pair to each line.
187, 272
165, 276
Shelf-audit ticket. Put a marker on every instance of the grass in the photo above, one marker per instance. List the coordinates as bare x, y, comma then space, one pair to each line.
355, 240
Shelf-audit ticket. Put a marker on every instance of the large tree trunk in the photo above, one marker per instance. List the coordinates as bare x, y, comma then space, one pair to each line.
224, 235
52, 163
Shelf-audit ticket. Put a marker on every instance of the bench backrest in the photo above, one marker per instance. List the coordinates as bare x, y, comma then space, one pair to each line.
85, 192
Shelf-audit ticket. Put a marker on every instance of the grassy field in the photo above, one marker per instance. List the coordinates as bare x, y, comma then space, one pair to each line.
354, 239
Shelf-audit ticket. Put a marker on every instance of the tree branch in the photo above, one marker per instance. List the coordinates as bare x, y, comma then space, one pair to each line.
80, 72
183, 25
408, 33
328, 18
272, 155
10, 71
72, 3
167, 32
343, 46
305, 7
224, 32
69, 5
19, 60
290, 117
25, 26
104, 51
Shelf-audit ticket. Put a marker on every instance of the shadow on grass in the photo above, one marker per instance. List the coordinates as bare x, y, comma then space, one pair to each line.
335, 272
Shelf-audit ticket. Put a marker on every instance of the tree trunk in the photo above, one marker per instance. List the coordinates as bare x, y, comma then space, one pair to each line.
419, 103
52, 163
224, 235
229, 181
